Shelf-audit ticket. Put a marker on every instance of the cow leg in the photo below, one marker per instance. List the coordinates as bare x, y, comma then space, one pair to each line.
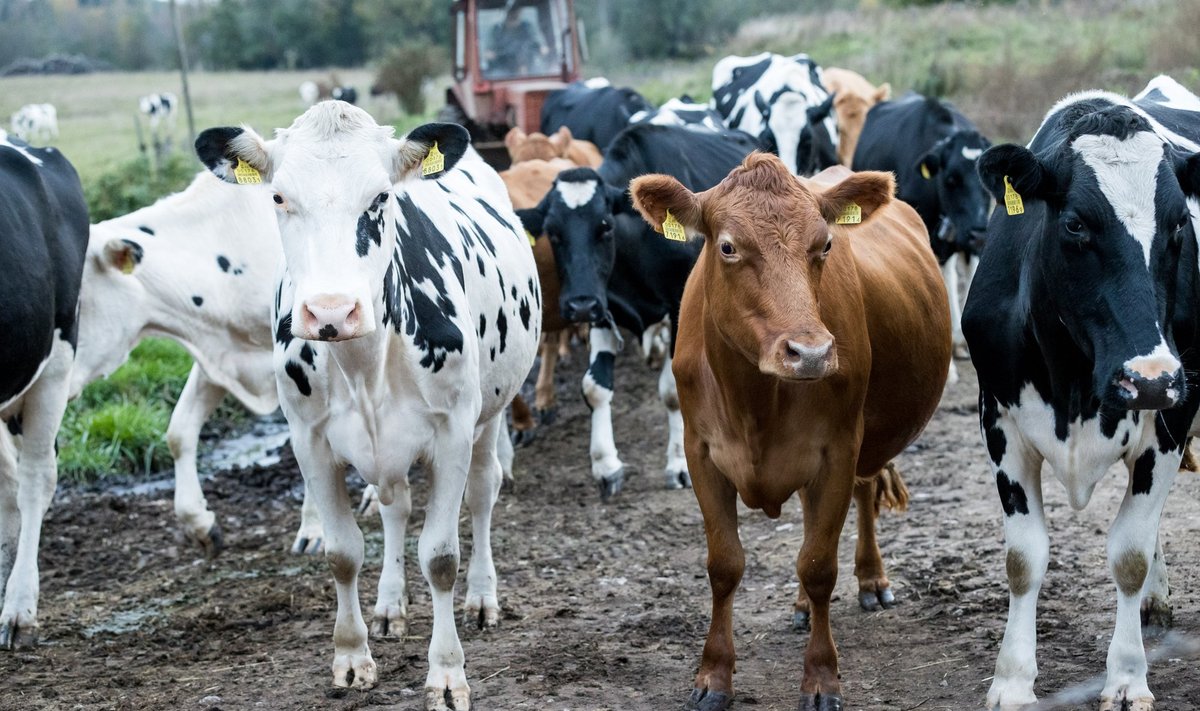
391, 607
676, 471
1132, 542
504, 452
37, 475
311, 536
544, 395
1156, 594
438, 550
10, 511
874, 588
950, 277
197, 402
325, 484
607, 468
717, 497
482, 606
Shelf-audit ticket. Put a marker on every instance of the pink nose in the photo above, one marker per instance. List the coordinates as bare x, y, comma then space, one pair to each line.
330, 317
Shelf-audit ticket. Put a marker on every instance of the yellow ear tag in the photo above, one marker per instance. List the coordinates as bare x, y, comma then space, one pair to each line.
851, 215
532, 239
246, 174
672, 229
128, 264
925, 171
1012, 199
434, 162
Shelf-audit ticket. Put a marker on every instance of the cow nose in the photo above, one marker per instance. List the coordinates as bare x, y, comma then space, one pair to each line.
582, 309
1153, 382
331, 317
806, 360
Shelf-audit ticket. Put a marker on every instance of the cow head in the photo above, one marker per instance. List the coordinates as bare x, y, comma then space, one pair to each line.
578, 216
333, 175
537, 146
1105, 218
796, 132
851, 108
952, 165
112, 305
768, 239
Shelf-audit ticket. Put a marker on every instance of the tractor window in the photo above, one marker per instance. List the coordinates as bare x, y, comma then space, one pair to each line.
521, 39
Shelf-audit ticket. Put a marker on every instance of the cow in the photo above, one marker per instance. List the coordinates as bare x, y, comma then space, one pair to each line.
310, 93
538, 146
1082, 325
594, 110
43, 235
616, 273
933, 150
406, 318
853, 97
781, 102
344, 93
159, 109
36, 122
682, 111
811, 350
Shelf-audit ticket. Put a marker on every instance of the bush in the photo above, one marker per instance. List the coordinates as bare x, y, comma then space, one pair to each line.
136, 184
406, 70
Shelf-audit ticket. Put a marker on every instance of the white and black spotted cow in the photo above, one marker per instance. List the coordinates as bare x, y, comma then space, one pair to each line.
682, 112
781, 102
1082, 325
159, 109
415, 311
616, 272
43, 235
36, 123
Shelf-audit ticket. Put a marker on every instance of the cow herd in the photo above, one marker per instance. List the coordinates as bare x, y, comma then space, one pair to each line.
776, 252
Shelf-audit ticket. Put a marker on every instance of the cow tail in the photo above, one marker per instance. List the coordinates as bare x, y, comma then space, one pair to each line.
1188, 463
890, 491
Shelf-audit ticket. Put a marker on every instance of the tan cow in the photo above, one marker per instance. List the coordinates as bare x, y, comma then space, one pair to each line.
809, 354
853, 98
530, 146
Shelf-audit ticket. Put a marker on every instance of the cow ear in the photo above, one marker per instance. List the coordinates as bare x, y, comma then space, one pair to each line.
820, 112
883, 93
122, 254
1188, 172
656, 195
235, 155
415, 156
532, 218
514, 137
869, 190
929, 164
1024, 172
561, 140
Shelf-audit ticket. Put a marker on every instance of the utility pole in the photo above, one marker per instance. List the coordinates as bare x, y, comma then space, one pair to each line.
183, 70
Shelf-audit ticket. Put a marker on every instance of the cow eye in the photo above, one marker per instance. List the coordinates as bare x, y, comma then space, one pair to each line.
381, 198
727, 248
277, 198
1074, 227
1183, 223
828, 247
605, 226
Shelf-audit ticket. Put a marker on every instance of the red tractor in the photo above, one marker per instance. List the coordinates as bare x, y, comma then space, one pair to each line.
508, 55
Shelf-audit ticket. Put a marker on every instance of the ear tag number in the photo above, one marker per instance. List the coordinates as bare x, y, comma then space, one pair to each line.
1012, 199
672, 229
532, 239
246, 174
925, 171
851, 215
434, 161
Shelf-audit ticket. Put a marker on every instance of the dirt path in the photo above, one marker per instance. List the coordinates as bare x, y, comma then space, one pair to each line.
606, 605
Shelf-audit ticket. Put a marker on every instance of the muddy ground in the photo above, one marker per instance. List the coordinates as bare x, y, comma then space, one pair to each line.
606, 605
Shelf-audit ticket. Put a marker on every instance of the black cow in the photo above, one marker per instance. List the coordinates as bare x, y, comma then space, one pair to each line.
1082, 323
43, 238
616, 272
594, 110
933, 150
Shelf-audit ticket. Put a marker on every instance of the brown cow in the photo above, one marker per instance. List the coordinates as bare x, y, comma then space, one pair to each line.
537, 146
809, 354
853, 97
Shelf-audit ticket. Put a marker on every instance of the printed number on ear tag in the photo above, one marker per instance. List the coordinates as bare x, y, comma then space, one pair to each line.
851, 215
246, 174
925, 171
434, 161
672, 229
532, 239
1013, 203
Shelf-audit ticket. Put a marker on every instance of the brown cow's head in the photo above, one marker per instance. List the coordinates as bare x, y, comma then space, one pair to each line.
537, 146
851, 108
767, 240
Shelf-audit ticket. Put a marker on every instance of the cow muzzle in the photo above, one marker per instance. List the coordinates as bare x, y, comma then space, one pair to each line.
332, 317
802, 359
1153, 382
582, 309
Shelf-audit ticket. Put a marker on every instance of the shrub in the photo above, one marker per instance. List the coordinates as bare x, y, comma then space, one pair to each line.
136, 183
406, 70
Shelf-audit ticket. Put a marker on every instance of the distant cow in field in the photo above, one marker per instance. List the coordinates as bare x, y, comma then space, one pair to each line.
310, 93
43, 236
782, 103
810, 352
853, 97
344, 93
933, 150
407, 317
36, 123
594, 110
159, 109
1083, 329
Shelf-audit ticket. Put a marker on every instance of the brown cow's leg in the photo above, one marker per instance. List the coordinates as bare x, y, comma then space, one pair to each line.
543, 402
874, 589
726, 561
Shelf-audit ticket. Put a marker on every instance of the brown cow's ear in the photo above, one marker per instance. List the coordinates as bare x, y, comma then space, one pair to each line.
869, 190
561, 140
655, 195
514, 136
883, 93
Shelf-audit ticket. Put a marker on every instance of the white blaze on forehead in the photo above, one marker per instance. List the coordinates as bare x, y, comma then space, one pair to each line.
972, 153
576, 194
1127, 173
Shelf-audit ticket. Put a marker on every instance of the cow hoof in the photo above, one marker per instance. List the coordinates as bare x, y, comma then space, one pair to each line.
706, 700
482, 611
1157, 613
508, 484
214, 543
611, 485
1121, 703
354, 671
820, 702
872, 601
800, 621
446, 699
306, 545
14, 635
679, 480
546, 416
391, 621
523, 438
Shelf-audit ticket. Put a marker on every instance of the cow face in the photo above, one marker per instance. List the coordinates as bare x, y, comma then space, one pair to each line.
112, 309
333, 174
768, 239
577, 216
952, 165
797, 132
1105, 217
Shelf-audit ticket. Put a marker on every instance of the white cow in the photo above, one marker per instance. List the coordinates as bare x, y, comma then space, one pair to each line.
416, 313
309, 92
36, 123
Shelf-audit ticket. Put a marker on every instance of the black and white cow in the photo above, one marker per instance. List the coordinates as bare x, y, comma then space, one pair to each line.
1083, 328
159, 109
933, 150
616, 272
36, 123
682, 112
407, 317
594, 110
781, 102
43, 235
